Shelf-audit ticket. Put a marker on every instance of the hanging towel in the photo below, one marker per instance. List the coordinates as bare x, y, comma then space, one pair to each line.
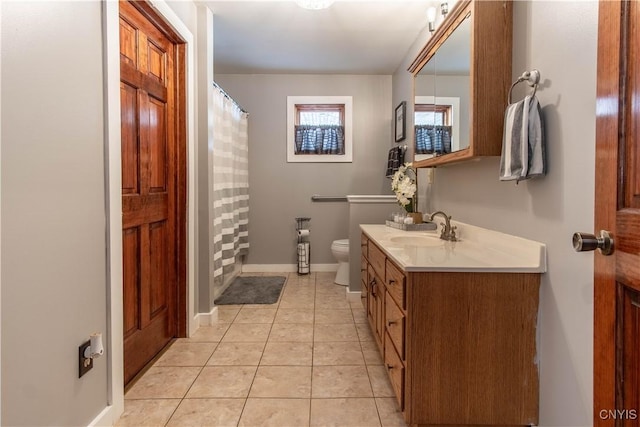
523, 145
395, 160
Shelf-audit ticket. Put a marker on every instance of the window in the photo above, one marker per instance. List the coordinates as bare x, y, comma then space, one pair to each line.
430, 114
319, 129
437, 122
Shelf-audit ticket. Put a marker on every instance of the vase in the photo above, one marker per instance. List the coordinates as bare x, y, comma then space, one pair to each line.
417, 217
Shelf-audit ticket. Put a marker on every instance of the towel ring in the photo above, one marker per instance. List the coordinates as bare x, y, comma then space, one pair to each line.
531, 77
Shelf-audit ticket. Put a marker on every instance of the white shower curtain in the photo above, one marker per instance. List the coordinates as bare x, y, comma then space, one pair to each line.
228, 186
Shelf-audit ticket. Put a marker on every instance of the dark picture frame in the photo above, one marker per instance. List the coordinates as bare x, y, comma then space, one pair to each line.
401, 122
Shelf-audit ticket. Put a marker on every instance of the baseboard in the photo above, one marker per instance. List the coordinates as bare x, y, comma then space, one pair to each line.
285, 268
108, 417
353, 296
206, 319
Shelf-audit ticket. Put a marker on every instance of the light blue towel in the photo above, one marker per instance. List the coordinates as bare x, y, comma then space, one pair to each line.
523, 145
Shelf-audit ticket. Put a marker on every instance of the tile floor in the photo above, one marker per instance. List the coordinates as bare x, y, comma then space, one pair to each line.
308, 360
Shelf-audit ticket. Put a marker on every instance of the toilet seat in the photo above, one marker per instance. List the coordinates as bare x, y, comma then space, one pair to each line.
341, 242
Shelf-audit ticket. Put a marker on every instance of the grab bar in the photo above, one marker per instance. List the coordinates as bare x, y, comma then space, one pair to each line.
316, 198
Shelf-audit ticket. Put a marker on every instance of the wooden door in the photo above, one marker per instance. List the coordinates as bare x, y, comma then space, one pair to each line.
617, 277
152, 209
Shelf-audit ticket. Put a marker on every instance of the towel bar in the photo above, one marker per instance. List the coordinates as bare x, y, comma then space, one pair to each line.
531, 77
316, 198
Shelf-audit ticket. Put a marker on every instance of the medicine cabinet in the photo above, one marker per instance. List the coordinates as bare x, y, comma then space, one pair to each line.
461, 82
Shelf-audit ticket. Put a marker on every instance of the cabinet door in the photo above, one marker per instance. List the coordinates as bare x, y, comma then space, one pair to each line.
371, 300
396, 371
375, 309
395, 324
364, 283
380, 295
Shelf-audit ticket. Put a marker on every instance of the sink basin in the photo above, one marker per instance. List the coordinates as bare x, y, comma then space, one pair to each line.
417, 240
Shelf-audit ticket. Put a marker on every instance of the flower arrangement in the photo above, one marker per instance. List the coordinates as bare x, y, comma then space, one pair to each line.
403, 184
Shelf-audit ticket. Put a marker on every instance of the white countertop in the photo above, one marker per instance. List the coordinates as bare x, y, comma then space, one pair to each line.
478, 250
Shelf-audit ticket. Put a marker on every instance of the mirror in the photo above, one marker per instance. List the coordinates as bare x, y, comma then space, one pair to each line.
442, 97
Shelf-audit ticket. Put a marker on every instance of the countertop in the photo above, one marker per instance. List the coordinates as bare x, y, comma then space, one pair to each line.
478, 250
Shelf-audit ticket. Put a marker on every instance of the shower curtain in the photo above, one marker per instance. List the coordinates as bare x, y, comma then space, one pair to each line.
228, 187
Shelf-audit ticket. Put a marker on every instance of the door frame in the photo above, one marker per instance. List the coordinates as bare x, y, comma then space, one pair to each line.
113, 178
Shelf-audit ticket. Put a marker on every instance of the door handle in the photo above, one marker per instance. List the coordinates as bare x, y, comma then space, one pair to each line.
583, 242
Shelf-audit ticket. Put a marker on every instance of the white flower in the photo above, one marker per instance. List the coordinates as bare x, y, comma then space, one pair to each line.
404, 186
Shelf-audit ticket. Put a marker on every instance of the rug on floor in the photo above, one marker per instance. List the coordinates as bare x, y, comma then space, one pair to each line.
252, 290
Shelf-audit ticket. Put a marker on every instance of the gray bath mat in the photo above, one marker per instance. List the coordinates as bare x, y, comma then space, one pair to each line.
252, 290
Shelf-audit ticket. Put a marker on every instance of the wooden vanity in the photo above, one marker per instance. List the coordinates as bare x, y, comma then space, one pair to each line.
459, 346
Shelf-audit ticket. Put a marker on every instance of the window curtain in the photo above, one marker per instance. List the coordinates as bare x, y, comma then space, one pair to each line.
433, 139
319, 139
229, 187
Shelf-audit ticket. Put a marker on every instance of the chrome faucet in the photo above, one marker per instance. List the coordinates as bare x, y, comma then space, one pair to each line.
448, 232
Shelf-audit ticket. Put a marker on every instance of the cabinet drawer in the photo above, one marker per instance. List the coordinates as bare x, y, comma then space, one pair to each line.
396, 283
395, 324
364, 243
377, 259
395, 368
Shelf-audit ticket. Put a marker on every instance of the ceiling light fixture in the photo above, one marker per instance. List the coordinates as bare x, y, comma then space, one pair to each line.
314, 4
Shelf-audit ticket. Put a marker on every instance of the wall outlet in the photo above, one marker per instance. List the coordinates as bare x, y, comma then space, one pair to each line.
84, 363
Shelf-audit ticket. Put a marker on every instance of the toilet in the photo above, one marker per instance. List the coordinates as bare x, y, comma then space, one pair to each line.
340, 251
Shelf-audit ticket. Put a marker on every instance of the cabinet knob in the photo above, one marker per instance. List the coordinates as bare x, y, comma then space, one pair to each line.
389, 366
392, 282
391, 322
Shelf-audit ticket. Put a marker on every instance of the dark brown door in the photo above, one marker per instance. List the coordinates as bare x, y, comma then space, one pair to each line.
617, 277
151, 207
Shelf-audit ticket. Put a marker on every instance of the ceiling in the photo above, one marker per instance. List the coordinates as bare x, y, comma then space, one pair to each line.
350, 37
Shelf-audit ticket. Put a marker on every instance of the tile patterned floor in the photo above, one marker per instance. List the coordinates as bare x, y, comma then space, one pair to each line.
308, 360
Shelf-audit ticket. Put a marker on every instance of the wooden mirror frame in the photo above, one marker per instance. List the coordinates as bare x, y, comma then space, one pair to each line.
490, 74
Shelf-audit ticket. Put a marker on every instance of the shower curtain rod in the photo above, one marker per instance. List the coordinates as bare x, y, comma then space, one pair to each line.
216, 85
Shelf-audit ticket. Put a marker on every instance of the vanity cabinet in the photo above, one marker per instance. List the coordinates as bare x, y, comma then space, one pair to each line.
459, 347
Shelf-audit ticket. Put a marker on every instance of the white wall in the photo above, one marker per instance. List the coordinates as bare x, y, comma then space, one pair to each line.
280, 191
53, 211
205, 134
559, 39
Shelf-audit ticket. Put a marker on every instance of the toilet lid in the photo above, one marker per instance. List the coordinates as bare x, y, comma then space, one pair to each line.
341, 242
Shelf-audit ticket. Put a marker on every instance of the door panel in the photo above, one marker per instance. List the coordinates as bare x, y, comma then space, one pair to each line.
129, 139
157, 146
157, 271
629, 356
128, 40
149, 193
156, 62
131, 280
